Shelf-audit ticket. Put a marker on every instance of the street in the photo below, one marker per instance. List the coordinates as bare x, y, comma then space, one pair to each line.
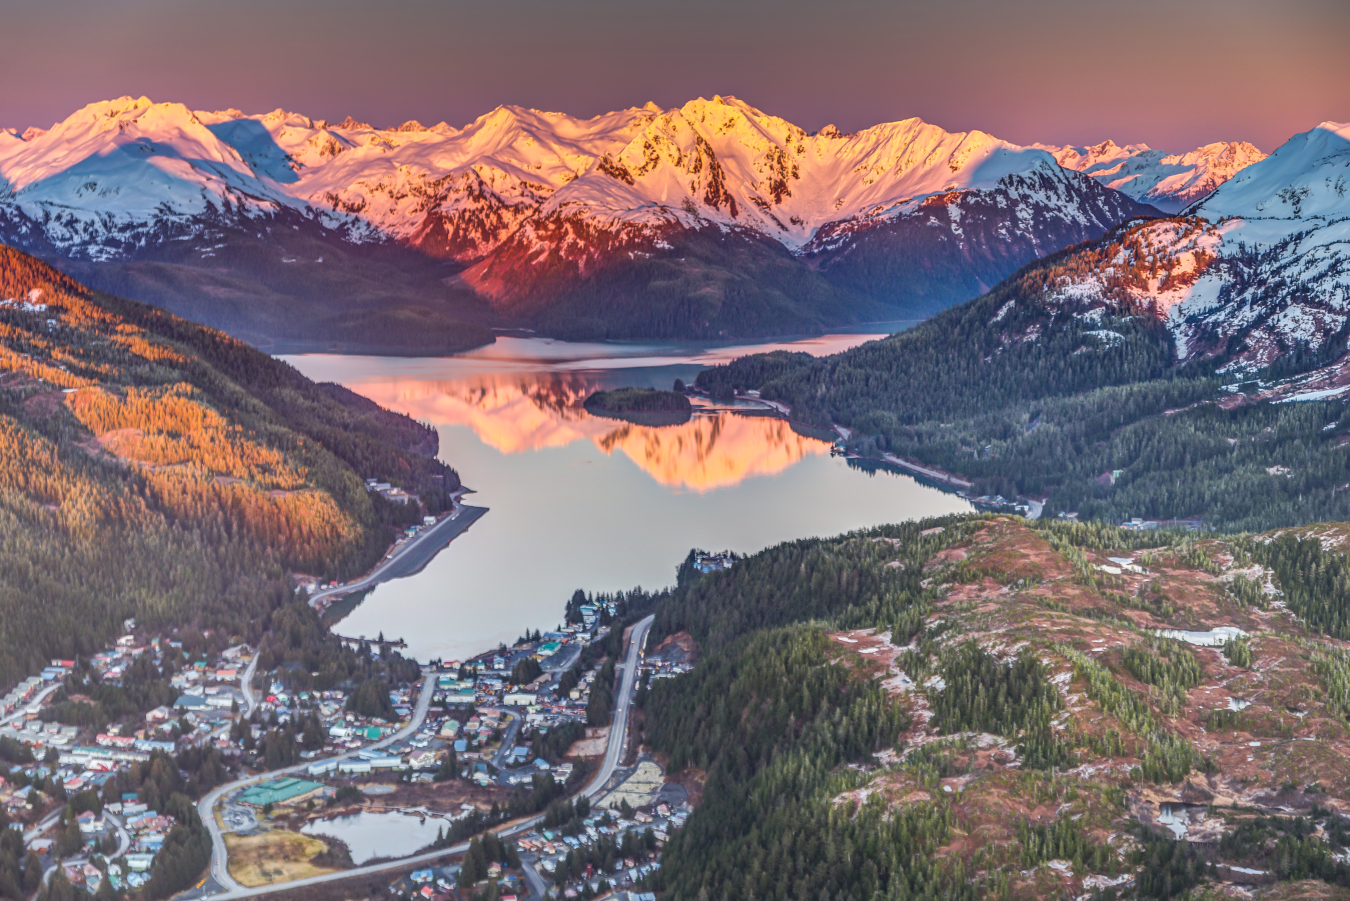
617, 742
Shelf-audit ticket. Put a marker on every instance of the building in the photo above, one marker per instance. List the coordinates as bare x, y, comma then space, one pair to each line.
289, 790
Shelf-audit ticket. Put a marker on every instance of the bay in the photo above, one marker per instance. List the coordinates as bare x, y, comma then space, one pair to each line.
580, 501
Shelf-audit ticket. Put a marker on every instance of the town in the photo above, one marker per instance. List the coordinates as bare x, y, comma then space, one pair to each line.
121, 763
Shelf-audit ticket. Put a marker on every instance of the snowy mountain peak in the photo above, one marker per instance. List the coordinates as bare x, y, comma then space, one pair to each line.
1305, 178
1259, 269
1170, 182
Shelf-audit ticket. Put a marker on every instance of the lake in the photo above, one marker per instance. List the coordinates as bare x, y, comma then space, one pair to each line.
580, 501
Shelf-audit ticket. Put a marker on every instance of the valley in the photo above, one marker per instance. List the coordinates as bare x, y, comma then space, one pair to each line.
882, 510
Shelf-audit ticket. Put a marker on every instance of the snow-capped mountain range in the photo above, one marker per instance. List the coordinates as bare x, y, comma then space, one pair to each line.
1257, 270
547, 212
1169, 181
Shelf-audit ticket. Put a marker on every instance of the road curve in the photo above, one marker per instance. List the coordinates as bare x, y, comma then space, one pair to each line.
617, 735
250, 699
206, 806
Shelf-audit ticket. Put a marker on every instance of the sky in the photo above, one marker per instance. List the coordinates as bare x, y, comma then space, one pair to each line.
1172, 74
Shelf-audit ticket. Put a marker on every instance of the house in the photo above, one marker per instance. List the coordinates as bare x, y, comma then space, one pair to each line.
190, 702
158, 715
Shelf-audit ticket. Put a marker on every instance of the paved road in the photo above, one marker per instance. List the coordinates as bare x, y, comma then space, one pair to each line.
618, 732
250, 699
508, 741
43, 826
538, 888
617, 735
22, 710
206, 806
412, 555
924, 470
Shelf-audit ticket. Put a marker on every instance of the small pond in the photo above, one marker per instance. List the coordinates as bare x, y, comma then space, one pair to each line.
371, 835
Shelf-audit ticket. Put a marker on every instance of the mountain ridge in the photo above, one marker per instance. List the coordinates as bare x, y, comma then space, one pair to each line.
541, 212
1186, 367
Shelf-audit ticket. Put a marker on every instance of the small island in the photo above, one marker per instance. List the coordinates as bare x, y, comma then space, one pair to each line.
643, 406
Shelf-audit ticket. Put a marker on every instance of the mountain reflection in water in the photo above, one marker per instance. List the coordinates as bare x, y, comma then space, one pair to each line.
581, 501
515, 413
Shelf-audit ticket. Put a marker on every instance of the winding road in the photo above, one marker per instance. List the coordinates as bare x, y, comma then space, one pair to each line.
618, 734
206, 806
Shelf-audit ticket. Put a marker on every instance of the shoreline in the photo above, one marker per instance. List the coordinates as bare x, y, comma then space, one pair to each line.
939, 478
408, 559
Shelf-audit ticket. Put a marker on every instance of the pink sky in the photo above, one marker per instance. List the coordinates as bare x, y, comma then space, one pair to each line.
1171, 74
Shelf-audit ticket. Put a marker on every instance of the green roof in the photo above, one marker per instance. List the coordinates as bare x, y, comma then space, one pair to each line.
278, 791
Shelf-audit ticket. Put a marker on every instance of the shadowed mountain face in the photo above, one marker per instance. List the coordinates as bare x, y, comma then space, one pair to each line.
710, 220
1183, 367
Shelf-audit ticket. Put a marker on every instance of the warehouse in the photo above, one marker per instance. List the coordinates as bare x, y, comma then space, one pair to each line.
280, 791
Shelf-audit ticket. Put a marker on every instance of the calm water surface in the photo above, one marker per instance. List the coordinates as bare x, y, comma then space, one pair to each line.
579, 501
372, 835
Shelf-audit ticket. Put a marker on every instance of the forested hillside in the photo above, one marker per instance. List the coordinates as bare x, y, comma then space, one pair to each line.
150, 467
989, 708
1030, 390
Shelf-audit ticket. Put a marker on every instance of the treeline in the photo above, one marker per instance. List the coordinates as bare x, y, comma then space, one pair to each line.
769, 718
775, 711
846, 582
1022, 395
1315, 581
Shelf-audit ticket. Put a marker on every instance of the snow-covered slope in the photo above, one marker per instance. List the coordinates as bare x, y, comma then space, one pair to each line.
1169, 181
108, 178
540, 205
1257, 271
722, 164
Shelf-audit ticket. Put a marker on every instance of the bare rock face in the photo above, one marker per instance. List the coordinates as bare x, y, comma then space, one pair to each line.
903, 216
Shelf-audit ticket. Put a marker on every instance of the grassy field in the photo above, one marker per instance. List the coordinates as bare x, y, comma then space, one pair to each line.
271, 857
